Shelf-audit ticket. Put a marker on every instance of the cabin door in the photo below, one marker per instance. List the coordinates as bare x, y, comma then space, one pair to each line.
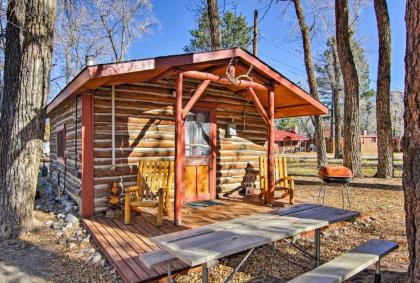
199, 170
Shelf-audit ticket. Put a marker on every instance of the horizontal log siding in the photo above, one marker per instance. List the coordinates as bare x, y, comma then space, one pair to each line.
67, 175
145, 128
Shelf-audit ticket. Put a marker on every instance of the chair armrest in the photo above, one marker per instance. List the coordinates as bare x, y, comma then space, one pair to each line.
131, 189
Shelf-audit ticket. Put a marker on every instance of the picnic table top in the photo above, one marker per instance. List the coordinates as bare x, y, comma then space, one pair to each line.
206, 243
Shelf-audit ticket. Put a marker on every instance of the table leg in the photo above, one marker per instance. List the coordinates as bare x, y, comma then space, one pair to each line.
378, 272
239, 265
317, 247
205, 273
169, 273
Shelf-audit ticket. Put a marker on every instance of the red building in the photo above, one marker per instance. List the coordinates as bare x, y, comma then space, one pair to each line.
290, 141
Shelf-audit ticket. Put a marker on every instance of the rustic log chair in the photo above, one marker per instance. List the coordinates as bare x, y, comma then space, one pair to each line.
154, 183
284, 183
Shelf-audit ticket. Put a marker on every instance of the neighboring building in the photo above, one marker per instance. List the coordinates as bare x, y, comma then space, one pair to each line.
112, 115
289, 141
369, 143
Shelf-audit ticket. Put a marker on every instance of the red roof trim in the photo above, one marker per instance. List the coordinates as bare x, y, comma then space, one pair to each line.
105, 70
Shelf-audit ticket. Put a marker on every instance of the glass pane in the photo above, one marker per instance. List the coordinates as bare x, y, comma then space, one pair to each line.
197, 133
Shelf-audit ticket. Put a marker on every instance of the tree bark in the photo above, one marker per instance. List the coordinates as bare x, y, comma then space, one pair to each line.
383, 112
215, 33
411, 139
313, 88
26, 77
352, 146
336, 101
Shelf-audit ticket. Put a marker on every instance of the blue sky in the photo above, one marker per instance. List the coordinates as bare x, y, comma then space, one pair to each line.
276, 47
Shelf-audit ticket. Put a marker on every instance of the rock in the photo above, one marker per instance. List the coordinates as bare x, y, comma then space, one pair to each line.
57, 225
70, 218
75, 208
49, 223
61, 216
69, 225
68, 209
80, 254
103, 262
96, 257
72, 246
79, 233
38, 206
60, 233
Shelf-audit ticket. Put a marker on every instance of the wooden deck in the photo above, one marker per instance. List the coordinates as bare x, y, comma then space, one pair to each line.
122, 244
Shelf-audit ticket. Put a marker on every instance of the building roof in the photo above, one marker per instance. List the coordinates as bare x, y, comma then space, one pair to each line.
290, 99
281, 135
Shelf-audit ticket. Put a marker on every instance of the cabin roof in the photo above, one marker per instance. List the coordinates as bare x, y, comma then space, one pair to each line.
282, 135
290, 99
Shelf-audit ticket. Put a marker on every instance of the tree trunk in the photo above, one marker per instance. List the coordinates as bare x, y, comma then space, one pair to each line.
215, 33
352, 146
26, 85
411, 140
383, 112
319, 127
336, 101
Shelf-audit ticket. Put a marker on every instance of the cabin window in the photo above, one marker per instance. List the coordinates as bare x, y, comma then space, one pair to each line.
61, 142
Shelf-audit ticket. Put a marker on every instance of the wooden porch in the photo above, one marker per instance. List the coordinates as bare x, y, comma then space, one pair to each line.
121, 244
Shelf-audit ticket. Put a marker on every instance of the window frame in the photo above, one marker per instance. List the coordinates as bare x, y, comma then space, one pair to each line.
61, 143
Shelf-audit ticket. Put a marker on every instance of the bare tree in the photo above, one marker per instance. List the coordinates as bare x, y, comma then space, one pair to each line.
123, 21
29, 34
411, 142
79, 36
352, 146
335, 79
313, 87
215, 33
383, 114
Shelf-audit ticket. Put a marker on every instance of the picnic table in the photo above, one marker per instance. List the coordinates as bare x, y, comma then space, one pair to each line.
206, 244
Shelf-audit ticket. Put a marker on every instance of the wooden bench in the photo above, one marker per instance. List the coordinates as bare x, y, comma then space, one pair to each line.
284, 182
345, 266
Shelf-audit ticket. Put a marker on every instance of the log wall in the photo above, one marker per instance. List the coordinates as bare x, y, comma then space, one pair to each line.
145, 128
67, 174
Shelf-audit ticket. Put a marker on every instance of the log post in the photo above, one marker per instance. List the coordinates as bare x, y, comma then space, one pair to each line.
87, 155
270, 148
179, 152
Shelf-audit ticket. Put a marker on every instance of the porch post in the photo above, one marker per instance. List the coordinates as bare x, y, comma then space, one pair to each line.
179, 152
87, 194
270, 148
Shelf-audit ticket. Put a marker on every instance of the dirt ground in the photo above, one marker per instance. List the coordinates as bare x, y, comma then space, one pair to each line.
43, 256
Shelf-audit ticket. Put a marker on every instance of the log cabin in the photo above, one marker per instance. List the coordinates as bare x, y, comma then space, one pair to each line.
112, 115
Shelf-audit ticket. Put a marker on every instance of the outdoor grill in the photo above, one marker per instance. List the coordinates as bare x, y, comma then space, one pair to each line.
335, 175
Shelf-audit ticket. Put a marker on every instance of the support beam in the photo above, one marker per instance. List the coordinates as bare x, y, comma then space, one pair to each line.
270, 148
179, 152
87, 155
259, 106
200, 90
222, 80
166, 73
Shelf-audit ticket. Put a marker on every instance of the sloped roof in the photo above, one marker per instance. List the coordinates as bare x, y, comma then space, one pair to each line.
281, 135
290, 99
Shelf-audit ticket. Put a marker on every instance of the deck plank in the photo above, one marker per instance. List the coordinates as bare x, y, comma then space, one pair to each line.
135, 267
130, 246
138, 241
110, 253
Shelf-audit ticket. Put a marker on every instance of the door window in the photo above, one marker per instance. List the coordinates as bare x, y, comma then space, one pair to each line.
197, 133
